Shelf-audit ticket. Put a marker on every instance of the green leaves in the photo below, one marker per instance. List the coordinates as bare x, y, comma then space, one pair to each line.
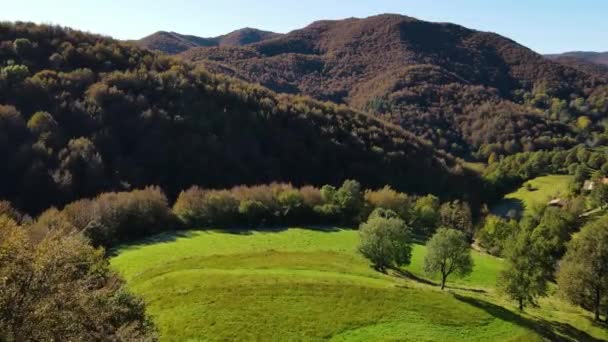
448, 253
385, 240
525, 277
583, 272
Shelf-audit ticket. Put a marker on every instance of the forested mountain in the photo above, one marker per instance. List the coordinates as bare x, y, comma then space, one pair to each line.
81, 114
589, 56
471, 93
172, 42
589, 62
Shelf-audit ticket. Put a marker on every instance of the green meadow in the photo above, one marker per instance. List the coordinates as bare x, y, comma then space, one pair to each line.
541, 190
311, 284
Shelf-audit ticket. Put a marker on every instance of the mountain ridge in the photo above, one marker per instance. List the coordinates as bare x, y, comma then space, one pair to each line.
172, 42
112, 116
421, 75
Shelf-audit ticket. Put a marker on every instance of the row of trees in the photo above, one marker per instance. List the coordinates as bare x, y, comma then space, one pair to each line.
347, 205
386, 240
581, 275
116, 217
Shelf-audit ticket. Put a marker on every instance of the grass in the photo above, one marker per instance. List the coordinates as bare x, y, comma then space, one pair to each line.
304, 284
543, 189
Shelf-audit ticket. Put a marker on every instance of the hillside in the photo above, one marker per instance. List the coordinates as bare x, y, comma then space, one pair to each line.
593, 63
589, 56
303, 284
81, 114
539, 192
172, 42
469, 92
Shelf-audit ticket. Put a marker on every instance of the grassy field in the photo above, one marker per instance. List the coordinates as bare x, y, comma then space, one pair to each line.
304, 284
543, 189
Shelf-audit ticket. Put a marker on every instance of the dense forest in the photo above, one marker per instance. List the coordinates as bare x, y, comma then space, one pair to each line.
372, 123
471, 93
81, 114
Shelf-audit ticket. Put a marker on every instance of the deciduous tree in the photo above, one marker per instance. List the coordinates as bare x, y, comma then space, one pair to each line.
448, 253
583, 272
385, 240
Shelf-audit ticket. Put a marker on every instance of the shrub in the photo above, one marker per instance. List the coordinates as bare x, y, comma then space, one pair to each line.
254, 212
388, 198
116, 217
197, 207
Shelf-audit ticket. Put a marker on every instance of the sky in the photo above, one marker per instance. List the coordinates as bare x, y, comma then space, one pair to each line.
546, 26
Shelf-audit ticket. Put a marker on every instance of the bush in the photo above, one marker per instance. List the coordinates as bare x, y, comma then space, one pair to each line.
117, 217
254, 212
388, 198
197, 207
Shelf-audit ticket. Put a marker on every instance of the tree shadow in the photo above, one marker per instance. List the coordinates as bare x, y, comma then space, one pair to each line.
404, 274
553, 331
247, 230
411, 276
168, 236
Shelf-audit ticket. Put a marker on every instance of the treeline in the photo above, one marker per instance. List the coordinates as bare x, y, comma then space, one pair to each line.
110, 219
82, 114
348, 205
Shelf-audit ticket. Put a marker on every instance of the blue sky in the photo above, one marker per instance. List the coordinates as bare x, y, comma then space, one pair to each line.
544, 25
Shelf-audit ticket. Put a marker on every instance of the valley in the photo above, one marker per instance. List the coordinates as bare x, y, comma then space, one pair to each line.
380, 177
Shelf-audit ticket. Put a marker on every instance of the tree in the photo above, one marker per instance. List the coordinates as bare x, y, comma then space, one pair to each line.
599, 195
61, 288
525, 277
495, 233
550, 235
350, 200
583, 273
448, 253
385, 240
426, 215
457, 215
388, 198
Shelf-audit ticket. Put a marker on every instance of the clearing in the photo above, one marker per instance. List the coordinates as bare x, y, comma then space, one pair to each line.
540, 191
311, 284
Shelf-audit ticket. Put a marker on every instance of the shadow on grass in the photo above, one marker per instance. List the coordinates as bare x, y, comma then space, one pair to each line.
173, 235
411, 276
508, 207
553, 331
168, 236
247, 230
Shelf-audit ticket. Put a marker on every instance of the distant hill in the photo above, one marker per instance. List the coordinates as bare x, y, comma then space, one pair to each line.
82, 114
172, 42
589, 62
469, 92
589, 56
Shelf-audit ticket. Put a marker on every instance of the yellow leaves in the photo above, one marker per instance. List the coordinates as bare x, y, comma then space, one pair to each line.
583, 122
